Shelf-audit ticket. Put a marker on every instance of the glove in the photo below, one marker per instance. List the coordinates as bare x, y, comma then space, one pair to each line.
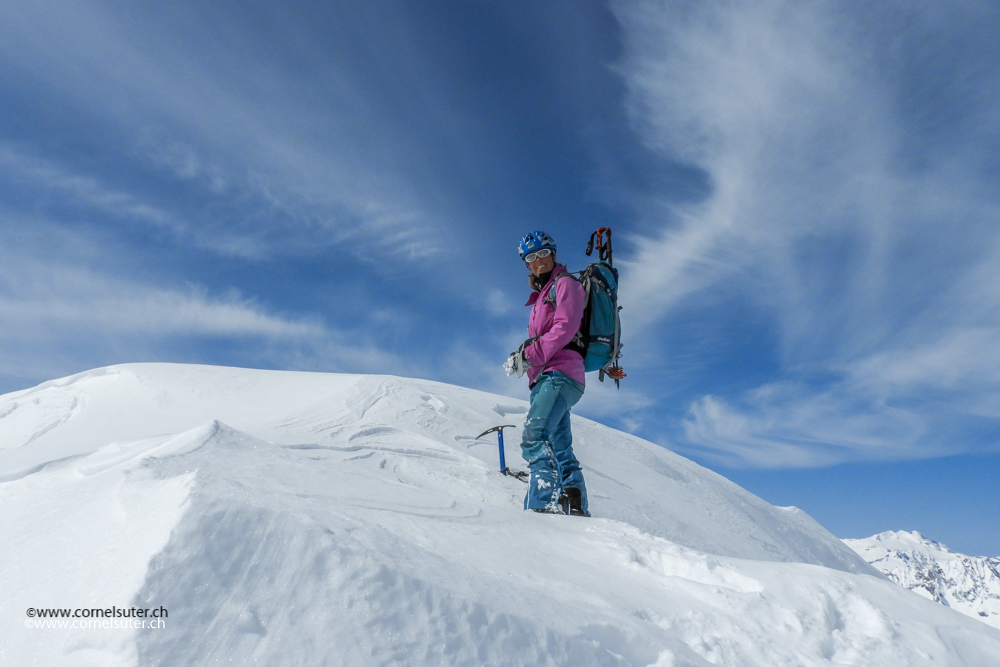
515, 364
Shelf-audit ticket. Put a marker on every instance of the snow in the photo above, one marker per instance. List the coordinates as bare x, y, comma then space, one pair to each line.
969, 584
306, 518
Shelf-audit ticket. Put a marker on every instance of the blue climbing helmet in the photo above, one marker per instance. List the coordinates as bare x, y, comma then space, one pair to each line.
533, 241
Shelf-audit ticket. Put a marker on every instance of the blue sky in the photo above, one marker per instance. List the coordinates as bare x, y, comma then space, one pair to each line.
804, 198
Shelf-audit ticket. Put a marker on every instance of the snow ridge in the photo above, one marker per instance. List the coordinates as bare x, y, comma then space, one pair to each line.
312, 519
969, 584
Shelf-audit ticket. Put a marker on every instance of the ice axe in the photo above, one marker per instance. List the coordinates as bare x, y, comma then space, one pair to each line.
503, 464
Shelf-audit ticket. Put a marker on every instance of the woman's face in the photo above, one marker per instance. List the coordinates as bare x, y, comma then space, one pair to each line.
542, 265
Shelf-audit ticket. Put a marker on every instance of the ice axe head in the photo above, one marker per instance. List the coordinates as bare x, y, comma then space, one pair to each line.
495, 428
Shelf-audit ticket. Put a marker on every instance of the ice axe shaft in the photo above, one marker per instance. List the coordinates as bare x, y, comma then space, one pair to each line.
499, 430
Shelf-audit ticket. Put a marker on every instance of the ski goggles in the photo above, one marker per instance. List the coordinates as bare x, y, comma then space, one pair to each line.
538, 254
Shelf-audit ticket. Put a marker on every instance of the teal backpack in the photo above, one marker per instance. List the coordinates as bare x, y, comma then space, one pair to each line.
599, 337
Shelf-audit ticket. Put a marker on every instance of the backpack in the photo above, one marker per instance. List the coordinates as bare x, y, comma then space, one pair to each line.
599, 337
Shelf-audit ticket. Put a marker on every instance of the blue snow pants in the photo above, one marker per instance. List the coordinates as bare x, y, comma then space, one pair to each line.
547, 443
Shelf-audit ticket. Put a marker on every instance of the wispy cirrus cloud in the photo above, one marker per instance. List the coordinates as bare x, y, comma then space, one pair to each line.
865, 232
65, 306
43, 296
269, 158
318, 157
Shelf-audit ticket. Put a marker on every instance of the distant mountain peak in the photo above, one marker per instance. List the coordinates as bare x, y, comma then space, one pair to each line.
969, 584
902, 539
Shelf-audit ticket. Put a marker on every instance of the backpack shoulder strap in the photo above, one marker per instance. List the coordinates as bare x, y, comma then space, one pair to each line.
578, 343
551, 298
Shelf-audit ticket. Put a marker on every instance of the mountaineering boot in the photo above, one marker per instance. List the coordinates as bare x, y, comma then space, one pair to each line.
574, 501
564, 501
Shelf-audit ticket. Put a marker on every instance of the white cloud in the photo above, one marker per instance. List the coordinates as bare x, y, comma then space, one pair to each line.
156, 312
39, 298
762, 98
623, 407
23, 170
498, 303
247, 137
877, 270
792, 425
64, 308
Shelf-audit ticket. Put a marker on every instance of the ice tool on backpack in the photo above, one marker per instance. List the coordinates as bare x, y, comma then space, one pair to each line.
601, 326
599, 337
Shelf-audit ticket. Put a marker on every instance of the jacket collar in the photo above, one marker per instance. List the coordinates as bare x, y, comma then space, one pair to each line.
533, 297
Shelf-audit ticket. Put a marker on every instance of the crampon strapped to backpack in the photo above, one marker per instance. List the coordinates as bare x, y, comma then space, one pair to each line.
599, 338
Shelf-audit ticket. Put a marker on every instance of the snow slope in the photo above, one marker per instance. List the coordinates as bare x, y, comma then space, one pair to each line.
969, 584
299, 518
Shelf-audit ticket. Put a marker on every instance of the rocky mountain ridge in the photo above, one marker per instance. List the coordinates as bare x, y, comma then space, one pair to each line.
969, 584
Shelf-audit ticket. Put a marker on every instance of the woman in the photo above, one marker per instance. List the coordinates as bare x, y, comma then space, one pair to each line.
556, 378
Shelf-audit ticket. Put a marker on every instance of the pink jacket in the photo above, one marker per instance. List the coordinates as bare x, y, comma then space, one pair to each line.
555, 325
